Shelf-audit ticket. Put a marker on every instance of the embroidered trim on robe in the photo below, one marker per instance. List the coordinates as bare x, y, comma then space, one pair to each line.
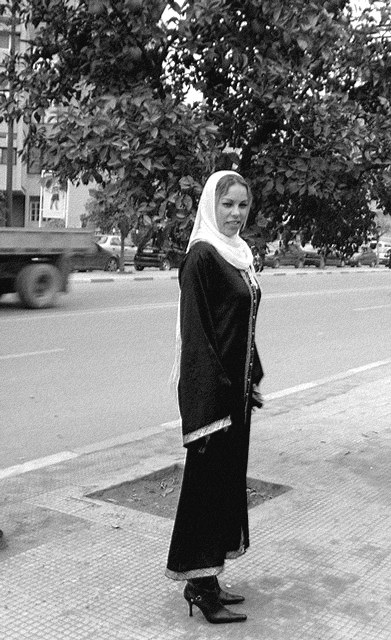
206, 431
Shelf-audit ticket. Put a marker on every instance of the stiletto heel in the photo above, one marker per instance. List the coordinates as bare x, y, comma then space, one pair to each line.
208, 602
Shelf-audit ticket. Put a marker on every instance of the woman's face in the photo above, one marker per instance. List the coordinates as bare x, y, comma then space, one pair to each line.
231, 210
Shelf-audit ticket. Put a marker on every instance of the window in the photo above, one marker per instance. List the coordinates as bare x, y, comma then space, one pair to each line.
4, 134
5, 40
4, 154
34, 208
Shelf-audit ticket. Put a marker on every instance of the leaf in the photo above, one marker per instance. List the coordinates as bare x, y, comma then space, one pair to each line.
167, 492
96, 7
268, 187
186, 182
147, 163
303, 44
175, 6
188, 202
212, 128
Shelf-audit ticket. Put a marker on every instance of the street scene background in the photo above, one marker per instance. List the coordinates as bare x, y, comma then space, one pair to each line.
87, 407
97, 366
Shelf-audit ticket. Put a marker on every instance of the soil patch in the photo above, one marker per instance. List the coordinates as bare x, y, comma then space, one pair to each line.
158, 492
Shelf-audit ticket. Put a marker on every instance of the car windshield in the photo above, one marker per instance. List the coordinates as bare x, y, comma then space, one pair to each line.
102, 240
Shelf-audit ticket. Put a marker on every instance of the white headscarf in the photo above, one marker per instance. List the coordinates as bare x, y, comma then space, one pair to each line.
233, 249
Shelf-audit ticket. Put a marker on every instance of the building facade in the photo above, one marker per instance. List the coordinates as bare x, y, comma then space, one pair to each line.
27, 192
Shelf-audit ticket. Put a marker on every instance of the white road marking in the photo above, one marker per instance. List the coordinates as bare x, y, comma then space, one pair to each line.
39, 463
27, 354
378, 306
317, 383
63, 456
321, 292
90, 312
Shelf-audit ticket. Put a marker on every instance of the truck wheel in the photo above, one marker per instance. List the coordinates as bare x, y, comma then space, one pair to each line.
38, 285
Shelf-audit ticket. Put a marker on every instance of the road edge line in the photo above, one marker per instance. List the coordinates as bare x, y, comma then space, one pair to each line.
125, 439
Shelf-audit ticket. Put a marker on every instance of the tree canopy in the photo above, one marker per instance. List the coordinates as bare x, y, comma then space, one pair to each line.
93, 89
301, 90
295, 95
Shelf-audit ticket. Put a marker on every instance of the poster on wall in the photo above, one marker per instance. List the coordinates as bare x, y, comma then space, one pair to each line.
53, 200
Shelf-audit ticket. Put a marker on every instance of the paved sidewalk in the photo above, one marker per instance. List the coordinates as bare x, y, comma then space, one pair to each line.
319, 565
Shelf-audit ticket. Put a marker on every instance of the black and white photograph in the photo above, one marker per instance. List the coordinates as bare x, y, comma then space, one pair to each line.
195, 312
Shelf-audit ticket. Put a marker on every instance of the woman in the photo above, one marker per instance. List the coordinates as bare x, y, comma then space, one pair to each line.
219, 371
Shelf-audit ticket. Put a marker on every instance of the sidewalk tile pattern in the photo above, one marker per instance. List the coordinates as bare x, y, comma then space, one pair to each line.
319, 565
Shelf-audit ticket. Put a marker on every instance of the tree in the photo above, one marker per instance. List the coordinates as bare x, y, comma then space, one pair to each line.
301, 91
98, 68
297, 94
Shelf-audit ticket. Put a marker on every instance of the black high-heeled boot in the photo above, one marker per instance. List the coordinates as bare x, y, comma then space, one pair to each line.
202, 592
226, 597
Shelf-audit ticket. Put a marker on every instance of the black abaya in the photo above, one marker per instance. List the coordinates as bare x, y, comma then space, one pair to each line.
218, 311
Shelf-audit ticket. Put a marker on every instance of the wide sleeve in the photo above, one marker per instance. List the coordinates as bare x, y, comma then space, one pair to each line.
204, 387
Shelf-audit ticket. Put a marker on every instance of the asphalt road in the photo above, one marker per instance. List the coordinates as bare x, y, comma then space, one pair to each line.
96, 367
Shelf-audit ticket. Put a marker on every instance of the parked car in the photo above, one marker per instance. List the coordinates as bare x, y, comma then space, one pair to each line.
163, 258
97, 258
365, 255
112, 243
313, 257
293, 256
257, 256
383, 250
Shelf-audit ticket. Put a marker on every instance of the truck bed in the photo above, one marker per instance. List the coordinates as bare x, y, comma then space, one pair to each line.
43, 241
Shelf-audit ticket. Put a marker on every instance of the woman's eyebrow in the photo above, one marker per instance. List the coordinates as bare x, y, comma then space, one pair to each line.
232, 199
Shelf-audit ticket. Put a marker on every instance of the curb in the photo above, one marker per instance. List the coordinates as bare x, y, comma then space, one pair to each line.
81, 279
129, 438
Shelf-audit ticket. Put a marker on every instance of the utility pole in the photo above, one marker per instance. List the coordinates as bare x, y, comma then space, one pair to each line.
10, 134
